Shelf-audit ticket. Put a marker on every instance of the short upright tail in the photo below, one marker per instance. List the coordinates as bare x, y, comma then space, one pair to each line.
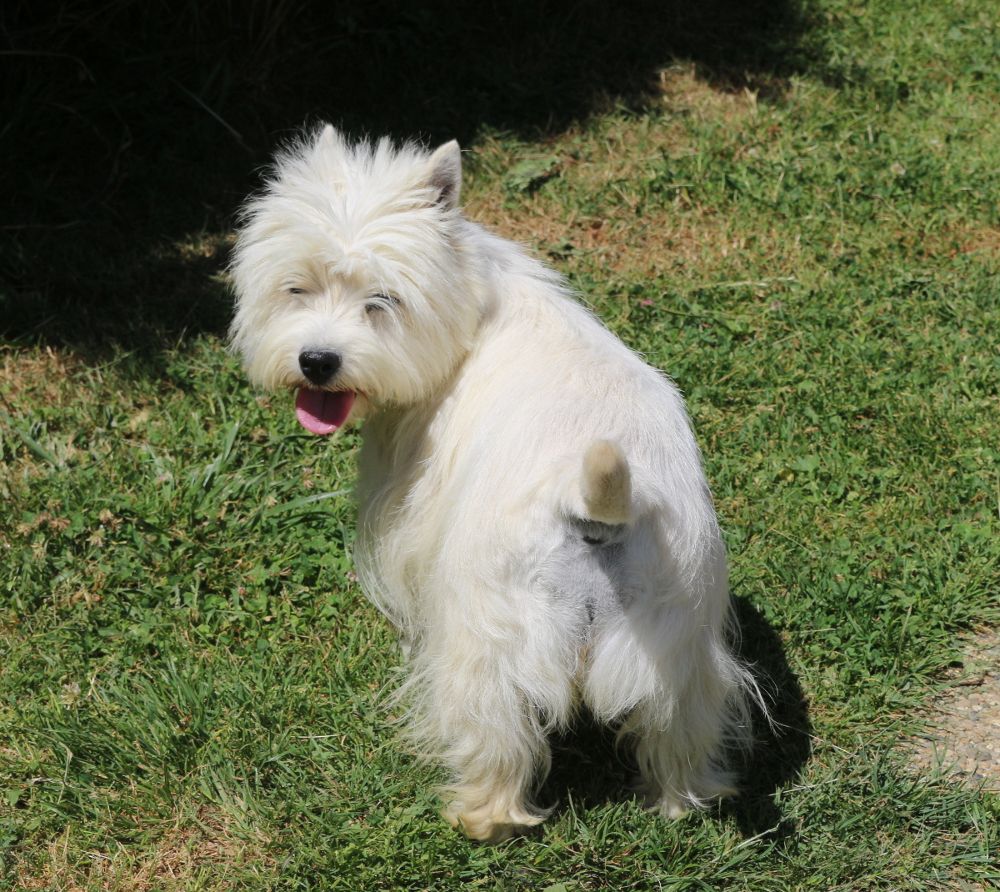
607, 483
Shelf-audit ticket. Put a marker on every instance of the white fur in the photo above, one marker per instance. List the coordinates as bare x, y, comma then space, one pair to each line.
486, 388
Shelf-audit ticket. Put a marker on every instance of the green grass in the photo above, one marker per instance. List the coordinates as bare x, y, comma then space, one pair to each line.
804, 233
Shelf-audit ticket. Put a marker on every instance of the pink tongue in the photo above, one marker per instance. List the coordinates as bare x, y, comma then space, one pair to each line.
322, 412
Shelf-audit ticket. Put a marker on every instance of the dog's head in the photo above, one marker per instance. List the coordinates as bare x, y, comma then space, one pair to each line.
348, 279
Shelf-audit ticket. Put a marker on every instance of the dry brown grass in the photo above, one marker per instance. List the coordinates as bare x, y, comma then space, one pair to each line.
33, 377
683, 91
667, 240
203, 843
955, 240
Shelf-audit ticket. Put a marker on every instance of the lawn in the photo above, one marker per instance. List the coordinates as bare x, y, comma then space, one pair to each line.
790, 208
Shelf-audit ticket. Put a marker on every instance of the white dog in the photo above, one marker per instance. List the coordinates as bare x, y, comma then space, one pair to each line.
534, 516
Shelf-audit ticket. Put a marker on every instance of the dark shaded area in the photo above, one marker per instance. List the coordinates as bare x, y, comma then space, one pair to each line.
130, 126
587, 769
783, 746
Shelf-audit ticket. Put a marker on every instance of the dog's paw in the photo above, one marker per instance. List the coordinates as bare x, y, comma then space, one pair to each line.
671, 805
491, 822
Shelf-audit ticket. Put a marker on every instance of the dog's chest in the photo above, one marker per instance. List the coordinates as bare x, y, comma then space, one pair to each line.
401, 485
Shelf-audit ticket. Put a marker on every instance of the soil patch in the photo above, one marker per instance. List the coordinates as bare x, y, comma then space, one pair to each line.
963, 736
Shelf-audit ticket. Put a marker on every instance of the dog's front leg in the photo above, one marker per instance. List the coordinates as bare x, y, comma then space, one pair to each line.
473, 711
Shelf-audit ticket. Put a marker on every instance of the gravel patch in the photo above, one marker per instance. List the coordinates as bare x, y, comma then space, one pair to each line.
963, 736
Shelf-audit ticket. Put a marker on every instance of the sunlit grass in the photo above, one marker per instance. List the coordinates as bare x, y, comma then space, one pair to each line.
191, 687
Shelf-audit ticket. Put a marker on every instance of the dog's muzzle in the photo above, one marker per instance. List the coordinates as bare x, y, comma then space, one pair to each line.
319, 366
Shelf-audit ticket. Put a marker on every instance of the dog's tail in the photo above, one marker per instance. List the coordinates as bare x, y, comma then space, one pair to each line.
607, 484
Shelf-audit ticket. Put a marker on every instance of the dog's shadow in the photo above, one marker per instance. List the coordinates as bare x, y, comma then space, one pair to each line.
589, 770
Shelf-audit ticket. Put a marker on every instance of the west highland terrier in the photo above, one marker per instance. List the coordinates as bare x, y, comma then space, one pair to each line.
534, 518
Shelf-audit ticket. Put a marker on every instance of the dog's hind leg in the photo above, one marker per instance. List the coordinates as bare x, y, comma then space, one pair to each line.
488, 798
682, 736
668, 680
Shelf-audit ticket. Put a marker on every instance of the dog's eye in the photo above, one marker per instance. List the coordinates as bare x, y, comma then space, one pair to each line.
378, 302
297, 291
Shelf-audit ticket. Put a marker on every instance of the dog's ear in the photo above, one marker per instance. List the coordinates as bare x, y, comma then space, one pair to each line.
328, 137
446, 174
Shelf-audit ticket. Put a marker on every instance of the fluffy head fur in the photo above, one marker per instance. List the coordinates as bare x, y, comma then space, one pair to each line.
534, 516
352, 248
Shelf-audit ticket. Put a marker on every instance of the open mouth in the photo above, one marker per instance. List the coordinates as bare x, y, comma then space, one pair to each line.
323, 411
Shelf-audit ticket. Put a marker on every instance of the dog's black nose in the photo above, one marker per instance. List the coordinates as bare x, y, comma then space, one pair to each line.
319, 366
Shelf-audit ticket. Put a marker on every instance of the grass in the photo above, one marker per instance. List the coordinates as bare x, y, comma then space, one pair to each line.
800, 226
